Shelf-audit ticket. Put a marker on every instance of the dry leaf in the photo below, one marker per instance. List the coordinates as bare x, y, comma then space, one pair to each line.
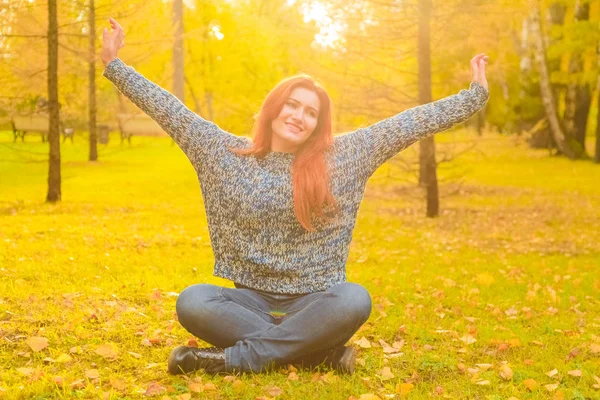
184, 396
274, 391
552, 373
108, 350
78, 384
196, 387
404, 388
25, 371
293, 376
468, 339
209, 386
485, 367
551, 387
238, 385
363, 342
575, 372
58, 380
386, 374
154, 389
37, 343
369, 396
118, 384
92, 374
506, 372
530, 384
64, 358
595, 348
482, 383
229, 378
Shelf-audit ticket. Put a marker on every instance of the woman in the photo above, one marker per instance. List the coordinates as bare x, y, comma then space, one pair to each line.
281, 209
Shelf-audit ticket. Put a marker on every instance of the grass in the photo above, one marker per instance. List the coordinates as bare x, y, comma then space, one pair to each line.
507, 275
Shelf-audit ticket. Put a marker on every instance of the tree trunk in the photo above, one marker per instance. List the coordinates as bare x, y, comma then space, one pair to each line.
545, 88
93, 156
577, 100
428, 168
597, 152
178, 69
54, 180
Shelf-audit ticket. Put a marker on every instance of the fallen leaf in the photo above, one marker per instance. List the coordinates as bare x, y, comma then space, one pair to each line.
485, 367
25, 371
369, 396
530, 384
154, 389
209, 386
118, 384
108, 350
404, 388
506, 372
58, 380
184, 396
136, 355
482, 383
363, 342
468, 339
551, 387
575, 372
386, 374
64, 358
37, 343
92, 374
552, 373
595, 348
274, 391
78, 384
196, 387
293, 376
238, 385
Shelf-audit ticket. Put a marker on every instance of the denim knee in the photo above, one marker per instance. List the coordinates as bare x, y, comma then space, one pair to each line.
356, 300
193, 302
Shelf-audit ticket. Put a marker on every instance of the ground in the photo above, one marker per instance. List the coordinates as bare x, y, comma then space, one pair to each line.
497, 298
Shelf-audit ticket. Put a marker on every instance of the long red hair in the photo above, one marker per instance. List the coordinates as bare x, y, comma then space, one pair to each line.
310, 173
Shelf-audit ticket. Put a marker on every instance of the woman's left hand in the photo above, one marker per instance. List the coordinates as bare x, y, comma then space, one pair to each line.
478, 66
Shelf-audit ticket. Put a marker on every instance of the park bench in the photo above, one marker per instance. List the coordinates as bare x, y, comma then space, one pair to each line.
23, 124
139, 125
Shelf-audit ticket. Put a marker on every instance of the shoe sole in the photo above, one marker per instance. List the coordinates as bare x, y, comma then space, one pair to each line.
348, 360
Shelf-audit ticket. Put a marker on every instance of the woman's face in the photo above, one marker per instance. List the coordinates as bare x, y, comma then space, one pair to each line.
296, 121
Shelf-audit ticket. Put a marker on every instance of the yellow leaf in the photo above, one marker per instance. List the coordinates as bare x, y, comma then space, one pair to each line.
92, 374
108, 350
404, 388
196, 387
575, 372
560, 395
184, 396
468, 339
515, 342
363, 342
506, 372
154, 389
530, 384
293, 376
482, 383
369, 396
551, 387
386, 373
238, 385
595, 348
25, 371
63, 358
37, 343
209, 386
485, 367
552, 373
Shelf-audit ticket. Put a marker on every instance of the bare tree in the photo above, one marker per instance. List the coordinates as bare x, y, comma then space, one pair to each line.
428, 168
54, 180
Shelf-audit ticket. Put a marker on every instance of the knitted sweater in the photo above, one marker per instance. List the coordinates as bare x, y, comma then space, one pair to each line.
255, 236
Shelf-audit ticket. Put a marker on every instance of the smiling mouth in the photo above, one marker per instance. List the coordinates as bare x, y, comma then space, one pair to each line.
294, 128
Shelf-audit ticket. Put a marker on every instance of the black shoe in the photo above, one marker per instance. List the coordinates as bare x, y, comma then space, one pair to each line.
184, 359
341, 358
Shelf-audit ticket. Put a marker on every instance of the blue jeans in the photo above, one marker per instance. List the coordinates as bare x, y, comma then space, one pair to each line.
262, 330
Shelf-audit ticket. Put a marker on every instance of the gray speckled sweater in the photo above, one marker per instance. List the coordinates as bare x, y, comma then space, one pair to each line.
256, 238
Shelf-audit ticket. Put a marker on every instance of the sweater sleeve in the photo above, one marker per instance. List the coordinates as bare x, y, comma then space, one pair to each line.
193, 134
388, 137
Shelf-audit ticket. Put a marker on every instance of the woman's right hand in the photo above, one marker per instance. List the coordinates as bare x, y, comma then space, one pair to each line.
112, 42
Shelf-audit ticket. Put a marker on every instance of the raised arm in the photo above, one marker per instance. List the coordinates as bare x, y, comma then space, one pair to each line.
192, 133
388, 137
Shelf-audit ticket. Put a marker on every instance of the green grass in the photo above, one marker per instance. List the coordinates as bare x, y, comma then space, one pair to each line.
513, 261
